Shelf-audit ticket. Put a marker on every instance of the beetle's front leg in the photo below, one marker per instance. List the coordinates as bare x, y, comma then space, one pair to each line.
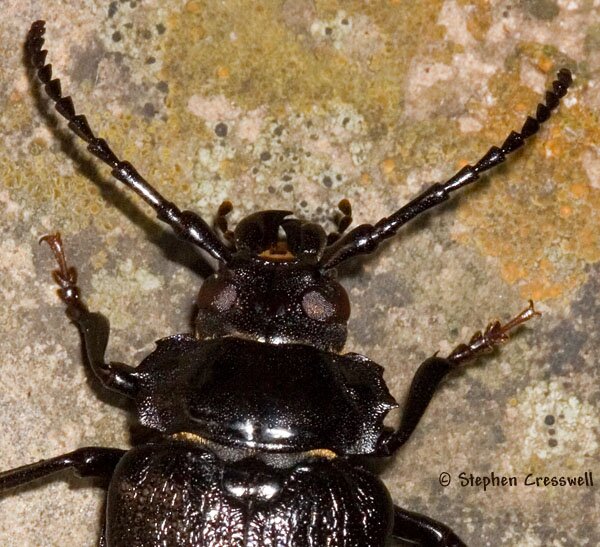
94, 327
433, 370
92, 461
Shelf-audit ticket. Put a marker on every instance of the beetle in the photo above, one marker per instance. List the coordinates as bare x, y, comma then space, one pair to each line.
261, 426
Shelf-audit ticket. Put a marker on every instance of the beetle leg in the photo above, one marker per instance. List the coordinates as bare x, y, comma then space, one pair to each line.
495, 333
92, 461
94, 327
364, 239
423, 530
186, 224
433, 370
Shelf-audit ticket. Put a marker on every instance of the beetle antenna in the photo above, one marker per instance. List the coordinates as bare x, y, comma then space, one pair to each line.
187, 225
364, 239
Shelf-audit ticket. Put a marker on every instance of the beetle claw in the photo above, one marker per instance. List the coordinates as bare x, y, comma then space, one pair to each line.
65, 276
495, 334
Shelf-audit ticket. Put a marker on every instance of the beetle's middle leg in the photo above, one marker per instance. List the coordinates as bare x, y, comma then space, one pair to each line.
432, 371
94, 461
94, 327
414, 527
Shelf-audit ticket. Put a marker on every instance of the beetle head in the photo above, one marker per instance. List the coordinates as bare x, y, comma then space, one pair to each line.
272, 289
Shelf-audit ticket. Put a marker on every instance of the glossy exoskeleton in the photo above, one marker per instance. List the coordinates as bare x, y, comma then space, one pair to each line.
261, 424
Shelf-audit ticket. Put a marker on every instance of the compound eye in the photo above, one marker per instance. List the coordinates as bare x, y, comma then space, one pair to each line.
217, 293
317, 307
333, 306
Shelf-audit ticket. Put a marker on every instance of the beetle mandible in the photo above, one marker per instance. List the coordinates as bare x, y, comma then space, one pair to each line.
261, 423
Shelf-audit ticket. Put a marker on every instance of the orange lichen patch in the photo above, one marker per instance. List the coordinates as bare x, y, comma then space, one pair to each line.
535, 244
222, 72
580, 190
193, 6
542, 289
555, 141
513, 271
565, 211
388, 166
544, 63
587, 243
545, 56
521, 107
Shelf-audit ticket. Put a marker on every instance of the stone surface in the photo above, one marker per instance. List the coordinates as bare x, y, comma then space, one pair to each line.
297, 104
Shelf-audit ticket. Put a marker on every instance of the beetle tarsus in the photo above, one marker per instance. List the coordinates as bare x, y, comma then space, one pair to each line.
65, 277
94, 327
432, 371
493, 335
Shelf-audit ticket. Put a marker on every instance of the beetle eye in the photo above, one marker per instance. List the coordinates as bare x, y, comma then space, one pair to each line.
316, 306
218, 294
226, 298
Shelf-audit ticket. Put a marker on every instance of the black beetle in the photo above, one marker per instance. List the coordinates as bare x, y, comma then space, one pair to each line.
261, 426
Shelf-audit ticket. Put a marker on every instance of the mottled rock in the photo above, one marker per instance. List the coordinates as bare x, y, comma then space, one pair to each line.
370, 102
